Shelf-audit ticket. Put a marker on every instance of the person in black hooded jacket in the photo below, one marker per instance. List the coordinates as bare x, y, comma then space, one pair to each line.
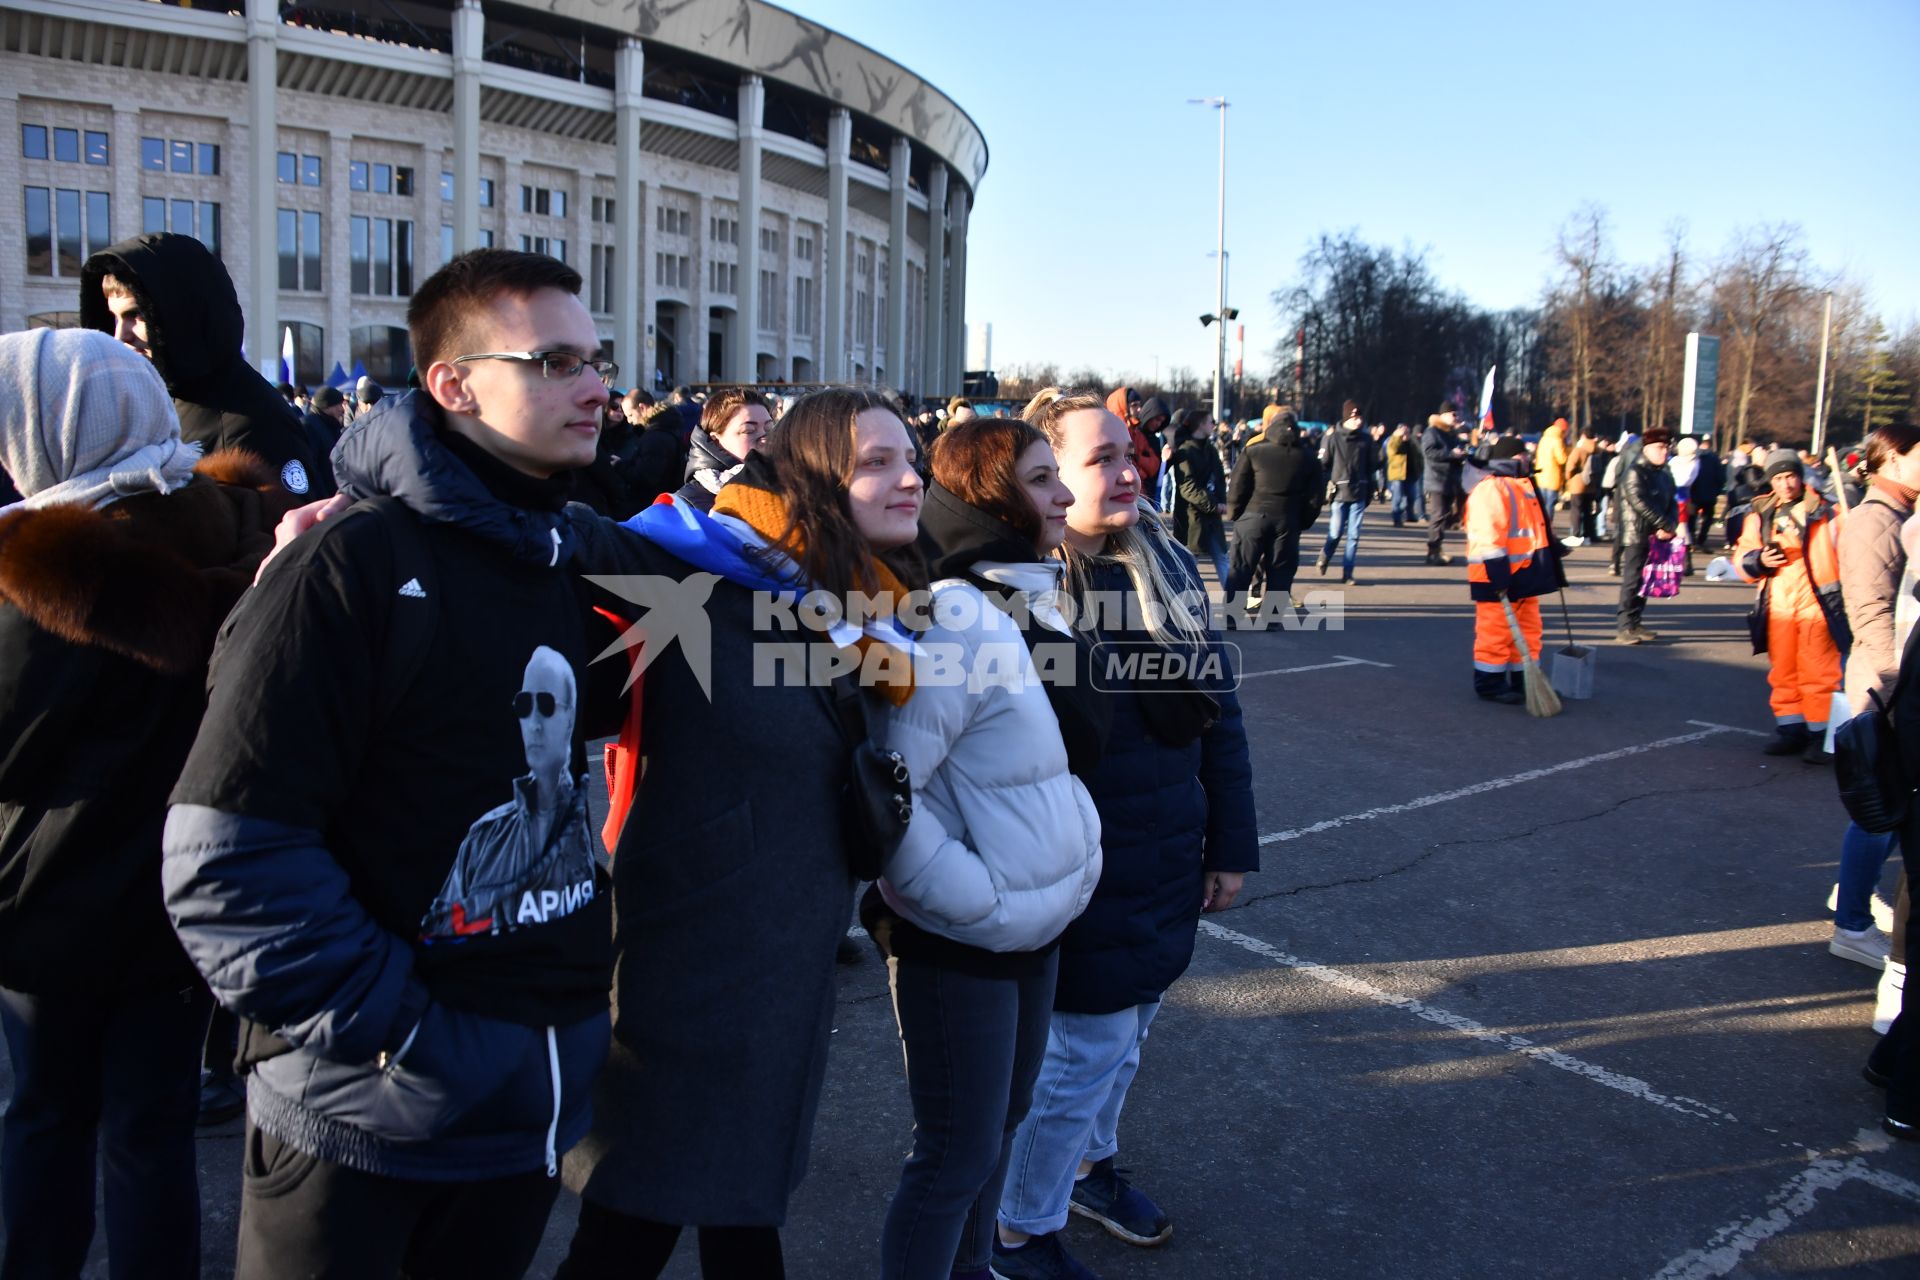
170, 299
1276, 492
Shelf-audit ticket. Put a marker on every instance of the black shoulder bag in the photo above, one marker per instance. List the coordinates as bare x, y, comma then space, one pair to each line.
879, 794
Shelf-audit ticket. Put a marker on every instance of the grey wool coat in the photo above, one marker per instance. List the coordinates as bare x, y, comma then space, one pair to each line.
730, 893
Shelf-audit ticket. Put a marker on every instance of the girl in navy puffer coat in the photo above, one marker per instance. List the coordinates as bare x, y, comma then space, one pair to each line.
1174, 794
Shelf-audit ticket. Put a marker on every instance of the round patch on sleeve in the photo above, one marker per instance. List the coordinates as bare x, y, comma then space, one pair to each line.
294, 477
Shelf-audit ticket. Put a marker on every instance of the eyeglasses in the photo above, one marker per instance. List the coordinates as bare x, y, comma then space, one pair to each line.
553, 364
524, 703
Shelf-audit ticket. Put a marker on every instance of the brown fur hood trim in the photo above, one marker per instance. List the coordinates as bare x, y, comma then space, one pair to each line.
152, 576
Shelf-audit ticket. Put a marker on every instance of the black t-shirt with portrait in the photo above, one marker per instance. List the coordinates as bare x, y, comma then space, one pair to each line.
428, 797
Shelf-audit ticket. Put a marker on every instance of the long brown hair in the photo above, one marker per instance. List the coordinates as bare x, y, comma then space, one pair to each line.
1889, 442
978, 463
812, 452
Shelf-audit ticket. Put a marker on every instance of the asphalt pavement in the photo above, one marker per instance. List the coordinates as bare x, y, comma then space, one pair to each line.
1510, 996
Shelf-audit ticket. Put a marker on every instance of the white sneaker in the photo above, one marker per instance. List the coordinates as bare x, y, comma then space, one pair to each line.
1867, 946
1886, 999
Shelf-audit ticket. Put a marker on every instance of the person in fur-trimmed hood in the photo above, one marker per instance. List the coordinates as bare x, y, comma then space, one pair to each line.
116, 570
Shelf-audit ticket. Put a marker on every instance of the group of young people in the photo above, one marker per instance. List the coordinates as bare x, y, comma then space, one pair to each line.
362, 816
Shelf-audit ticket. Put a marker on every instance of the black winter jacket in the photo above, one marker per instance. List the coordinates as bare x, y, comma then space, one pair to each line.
1443, 469
1277, 477
1349, 458
1648, 503
194, 332
351, 860
706, 461
106, 621
1199, 491
1167, 815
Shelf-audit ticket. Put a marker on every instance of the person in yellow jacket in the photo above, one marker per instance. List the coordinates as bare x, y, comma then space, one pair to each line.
1550, 465
1508, 558
1789, 545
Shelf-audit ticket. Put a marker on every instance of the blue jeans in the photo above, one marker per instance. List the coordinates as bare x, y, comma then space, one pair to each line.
973, 1047
1347, 516
1090, 1063
122, 1073
1549, 499
1862, 854
1402, 501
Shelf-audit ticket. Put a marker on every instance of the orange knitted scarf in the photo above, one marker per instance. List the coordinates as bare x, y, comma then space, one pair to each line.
768, 515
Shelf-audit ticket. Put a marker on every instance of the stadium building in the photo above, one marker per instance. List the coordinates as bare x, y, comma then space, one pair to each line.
750, 196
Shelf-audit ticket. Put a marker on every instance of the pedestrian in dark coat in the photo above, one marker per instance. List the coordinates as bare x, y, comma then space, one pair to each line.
174, 302
1200, 488
1276, 493
732, 887
115, 573
1440, 448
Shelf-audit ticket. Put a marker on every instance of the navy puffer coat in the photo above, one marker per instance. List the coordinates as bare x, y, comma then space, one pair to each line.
1168, 814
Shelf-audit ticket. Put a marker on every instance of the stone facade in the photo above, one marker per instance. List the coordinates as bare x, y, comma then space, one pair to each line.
348, 241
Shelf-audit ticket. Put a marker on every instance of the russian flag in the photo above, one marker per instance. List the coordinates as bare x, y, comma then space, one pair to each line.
1486, 401
286, 355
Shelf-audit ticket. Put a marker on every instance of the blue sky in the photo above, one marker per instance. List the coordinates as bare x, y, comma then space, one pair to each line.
1471, 130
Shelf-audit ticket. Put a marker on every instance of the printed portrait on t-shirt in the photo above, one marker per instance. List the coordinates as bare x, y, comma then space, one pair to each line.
530, 860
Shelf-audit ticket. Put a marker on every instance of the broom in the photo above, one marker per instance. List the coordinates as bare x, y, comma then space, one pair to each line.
1542, 701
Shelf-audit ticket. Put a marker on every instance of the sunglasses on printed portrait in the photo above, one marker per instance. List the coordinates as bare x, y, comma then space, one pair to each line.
524, 704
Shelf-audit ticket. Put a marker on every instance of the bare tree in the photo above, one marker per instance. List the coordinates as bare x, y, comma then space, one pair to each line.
1581, 298
1764, 272
1667, 300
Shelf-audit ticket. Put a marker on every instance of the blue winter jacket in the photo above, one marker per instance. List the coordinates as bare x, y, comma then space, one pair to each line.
1168, 814
385, 1054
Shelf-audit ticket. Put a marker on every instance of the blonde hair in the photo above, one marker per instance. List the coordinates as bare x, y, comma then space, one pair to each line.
1168, 619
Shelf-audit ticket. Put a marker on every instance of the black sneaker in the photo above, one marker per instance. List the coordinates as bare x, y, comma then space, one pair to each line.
1041, 1258
1119, 1206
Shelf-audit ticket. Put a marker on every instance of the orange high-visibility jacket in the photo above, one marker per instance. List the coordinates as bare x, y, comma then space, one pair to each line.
1507, 541
1818, 546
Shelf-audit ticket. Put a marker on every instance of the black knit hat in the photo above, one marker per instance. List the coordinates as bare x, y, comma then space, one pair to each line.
1507, 447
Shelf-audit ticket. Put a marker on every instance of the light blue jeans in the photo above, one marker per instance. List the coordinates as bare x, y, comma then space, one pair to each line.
1345, 516
1089, 1066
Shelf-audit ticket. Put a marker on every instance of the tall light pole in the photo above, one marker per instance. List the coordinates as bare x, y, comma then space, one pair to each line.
1220, 264
1820, 387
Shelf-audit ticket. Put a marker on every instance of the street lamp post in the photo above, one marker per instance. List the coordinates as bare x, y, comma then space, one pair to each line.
1220, 264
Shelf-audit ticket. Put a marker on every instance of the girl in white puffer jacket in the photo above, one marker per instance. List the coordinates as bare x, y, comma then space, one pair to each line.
1003, 850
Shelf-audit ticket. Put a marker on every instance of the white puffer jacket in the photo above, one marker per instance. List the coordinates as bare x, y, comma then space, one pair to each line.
1004, 847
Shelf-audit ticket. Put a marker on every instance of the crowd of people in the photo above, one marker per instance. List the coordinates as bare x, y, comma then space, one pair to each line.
321, 760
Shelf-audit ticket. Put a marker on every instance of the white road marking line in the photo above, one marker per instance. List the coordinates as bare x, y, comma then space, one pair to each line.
1726, 1247
1318, 666
1335, 978
1730, 728
1499, 784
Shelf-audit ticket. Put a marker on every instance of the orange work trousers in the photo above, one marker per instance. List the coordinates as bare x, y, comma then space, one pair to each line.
1493, 647
1803, 665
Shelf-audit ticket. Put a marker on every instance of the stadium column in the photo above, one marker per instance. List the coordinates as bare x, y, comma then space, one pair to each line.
629, 352
469, 47
746, 323
263, 140
898, 166
834, 322
935, 382
957, 292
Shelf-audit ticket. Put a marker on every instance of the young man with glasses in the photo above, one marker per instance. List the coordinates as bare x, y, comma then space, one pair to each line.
378, 853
